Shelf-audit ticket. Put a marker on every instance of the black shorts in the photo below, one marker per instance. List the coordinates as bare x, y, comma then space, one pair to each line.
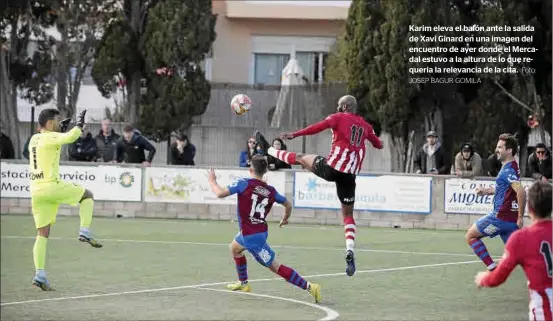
345, 183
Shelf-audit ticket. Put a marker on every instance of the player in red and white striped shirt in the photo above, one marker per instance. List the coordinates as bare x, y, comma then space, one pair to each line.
530, 247
349, 132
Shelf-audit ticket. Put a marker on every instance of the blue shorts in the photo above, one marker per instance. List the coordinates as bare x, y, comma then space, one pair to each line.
491, 226
257, 245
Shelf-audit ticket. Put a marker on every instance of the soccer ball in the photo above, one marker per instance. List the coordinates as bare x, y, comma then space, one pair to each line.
240, 104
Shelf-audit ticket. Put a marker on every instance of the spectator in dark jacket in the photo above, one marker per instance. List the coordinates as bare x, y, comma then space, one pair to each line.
539, 163
432, 158
106, 140
131, 147
275, 163
182, 151
6, 147
84, 149
494, 165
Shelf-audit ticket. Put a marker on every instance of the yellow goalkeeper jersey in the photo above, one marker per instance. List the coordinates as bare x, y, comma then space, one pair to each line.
44, 155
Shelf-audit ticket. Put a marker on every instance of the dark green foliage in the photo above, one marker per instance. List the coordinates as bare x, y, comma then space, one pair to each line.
175, 36
376, 54
116, 53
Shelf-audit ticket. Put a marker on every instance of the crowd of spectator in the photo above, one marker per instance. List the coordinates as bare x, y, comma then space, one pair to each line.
133, 148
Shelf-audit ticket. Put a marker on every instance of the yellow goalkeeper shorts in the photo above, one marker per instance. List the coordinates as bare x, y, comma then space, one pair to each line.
46, 199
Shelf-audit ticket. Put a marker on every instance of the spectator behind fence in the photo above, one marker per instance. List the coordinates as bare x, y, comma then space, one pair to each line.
275, 163
539, 163
84, 149
6, 147
494, 165
467, 162
432, 158
106, 140
130, 148
25, 151
247, 154
182, 151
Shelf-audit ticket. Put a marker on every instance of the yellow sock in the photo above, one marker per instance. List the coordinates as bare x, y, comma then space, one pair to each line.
85, 212
39, 252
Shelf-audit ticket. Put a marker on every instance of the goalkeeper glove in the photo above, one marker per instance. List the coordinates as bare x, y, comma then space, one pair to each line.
64, 124
80, 119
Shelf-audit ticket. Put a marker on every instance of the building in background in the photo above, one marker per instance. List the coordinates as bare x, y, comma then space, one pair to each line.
255, 39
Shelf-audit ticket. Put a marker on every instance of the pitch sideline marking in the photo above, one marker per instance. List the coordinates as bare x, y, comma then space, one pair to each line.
330, 313
90, 296
273, 246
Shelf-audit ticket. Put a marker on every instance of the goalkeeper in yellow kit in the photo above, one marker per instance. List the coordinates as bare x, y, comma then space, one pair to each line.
48, 191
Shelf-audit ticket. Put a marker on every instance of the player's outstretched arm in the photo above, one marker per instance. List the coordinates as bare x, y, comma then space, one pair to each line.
215, 187
507, 264
375, 141
311, 130
287, 212
54, 138
281, 199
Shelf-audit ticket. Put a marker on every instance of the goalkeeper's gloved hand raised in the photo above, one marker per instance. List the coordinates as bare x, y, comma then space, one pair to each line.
64, 124
80, 119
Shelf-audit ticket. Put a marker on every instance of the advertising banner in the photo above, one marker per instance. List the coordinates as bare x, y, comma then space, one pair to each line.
460, 196
383, 193
190, 185
107, 183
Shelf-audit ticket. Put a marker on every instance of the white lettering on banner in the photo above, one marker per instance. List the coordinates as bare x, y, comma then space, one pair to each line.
460, 196
383, 193
107, 183
190, 185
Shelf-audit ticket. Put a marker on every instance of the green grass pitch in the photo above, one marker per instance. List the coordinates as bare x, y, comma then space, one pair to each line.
176, 270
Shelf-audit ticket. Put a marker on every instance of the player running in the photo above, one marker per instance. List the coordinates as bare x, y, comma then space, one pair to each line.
508, 203
530, 248
255, 200
48, 191
349, 132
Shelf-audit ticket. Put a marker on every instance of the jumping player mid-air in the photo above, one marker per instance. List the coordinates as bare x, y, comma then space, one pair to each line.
255, 200
508, 203
48, 191
349, 132
530, 248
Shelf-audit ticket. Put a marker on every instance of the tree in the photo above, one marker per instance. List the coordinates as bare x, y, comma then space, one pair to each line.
119, 55
178, 37
336, 67
80, 24
21, 70
173, 41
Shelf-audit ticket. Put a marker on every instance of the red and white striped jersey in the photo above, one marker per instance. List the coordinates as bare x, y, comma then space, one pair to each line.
349, 132
529, 247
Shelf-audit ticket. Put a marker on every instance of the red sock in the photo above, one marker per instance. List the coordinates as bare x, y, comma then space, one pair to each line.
287, 157
292, 276
241, 268
482, 252
349, 230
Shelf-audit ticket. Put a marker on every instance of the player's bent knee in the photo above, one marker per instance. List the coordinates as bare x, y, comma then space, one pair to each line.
43, 231
274, 266
87, 195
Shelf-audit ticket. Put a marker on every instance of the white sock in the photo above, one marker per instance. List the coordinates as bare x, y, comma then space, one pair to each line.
350, 245
41, 273
84, 230
272, 151
492, 266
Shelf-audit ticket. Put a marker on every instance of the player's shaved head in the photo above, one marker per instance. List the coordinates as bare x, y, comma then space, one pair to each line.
46, 115
347, 103
259, 165
540, 199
